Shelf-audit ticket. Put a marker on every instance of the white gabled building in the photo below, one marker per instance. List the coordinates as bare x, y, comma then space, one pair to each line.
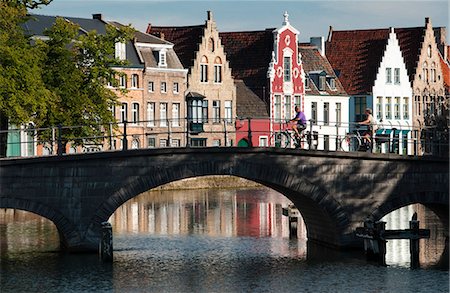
392, 96
371, 67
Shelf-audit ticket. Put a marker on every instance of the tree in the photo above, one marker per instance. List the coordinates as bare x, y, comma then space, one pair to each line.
23, 95
77, 68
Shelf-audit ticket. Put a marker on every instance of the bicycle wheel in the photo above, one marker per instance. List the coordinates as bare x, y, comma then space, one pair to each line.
350, 143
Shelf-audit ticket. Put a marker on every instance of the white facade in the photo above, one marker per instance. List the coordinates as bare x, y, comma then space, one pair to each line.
331, 126
392, 100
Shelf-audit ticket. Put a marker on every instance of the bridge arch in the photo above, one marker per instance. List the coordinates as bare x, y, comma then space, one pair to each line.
324, 217
67, 231
434, 200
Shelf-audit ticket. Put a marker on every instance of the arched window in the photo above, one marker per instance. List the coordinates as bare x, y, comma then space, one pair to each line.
425, 71
135, 143
429, 51
134, 81
124, 112
204, 69
135, 113
433, 72
218, 70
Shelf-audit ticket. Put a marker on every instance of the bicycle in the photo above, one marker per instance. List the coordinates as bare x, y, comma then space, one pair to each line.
355, 142
286, 138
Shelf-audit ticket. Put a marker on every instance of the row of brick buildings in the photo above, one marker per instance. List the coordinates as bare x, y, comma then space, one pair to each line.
211, 82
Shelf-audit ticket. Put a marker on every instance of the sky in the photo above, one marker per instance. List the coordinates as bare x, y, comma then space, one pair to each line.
311, 18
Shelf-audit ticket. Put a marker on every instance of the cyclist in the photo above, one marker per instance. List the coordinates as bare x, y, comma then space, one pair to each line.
301, 122
370, 122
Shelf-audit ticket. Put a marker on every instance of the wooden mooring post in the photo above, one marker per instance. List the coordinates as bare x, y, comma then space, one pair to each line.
375, 237
106, 245
292, 212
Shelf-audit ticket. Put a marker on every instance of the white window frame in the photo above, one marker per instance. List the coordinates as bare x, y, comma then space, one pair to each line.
216, 111
176, 87
277, 108
228, 105
175, 115
135, 113
150, 114
396, 75
163, 87
162, 58
123, 81
163, 114
120, 51
151, 86
263, 141
217, 73
287, 68
388, 75
134, 80
124, 112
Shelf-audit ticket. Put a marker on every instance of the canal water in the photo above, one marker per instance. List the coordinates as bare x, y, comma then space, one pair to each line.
211, 240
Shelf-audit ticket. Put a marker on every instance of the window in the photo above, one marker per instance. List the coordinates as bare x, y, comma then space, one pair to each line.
397, 75
360, 108
322, 81
198, 142
433, 72
123, 81
163, 87
297, 101
150, 87
123, 112
195, 111
405, 108
135, 143
151, 142
205, 111
204, 69
397, 108
218, 70
134, 81
175, 114
338, 114
332, 83
175, 143
314, 112
277, 106
216, 111
287, 68
379, 107
263, 141
326, 113
211, 44
150, 114
429, 51
216, 142
307, 82
388, 75
163, 143
228, 112
135, 113
176, 88
163, 114
120, 51
287, 107
388, 108
162, 58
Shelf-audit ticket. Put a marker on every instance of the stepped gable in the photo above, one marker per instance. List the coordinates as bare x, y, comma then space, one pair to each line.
249, 54
186, 40
312, 60
355, 56
410, 41
248, 104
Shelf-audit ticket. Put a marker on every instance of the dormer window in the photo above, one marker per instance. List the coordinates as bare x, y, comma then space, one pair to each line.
307, 82
332, 83
322, 82
120, 51
162, 58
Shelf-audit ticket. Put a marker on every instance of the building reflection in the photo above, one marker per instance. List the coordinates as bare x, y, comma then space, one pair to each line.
212, 212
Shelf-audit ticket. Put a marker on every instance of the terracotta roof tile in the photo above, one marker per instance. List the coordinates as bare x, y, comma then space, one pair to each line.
355, 56
445, 71
186, 40
248, 104
249, 54
314, 61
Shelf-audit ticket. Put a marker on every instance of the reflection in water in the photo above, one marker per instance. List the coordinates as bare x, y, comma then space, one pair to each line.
200, 241
227, 213
397, 251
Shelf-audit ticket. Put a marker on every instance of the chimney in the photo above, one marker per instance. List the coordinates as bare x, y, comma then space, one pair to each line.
319, 42
161, 36
427, 20
97, 16
149, 28
330, 33
209, 15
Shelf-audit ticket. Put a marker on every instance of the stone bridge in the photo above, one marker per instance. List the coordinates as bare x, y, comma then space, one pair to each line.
335, 192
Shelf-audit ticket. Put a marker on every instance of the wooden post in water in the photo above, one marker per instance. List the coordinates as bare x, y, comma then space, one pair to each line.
414, 242
106, 245
380, 228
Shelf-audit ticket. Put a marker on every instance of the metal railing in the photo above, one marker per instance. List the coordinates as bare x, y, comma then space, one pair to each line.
246, 131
